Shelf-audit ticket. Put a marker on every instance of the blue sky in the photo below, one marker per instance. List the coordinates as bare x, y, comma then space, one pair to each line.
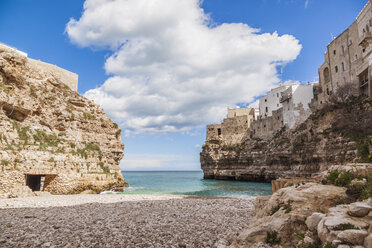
172, 140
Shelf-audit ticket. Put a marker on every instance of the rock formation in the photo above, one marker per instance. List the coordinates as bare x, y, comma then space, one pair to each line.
339, 133
50, 135
308, 215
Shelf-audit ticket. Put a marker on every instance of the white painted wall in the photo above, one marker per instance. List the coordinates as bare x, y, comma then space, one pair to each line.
271, 101
293, 113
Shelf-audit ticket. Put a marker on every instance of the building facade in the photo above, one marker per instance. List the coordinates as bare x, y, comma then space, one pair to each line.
232, 129
290, 107
347, 59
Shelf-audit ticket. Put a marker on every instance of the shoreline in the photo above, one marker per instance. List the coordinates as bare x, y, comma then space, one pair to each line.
81, 199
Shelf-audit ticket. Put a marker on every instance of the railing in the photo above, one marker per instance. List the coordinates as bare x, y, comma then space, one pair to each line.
285, 97
364, 40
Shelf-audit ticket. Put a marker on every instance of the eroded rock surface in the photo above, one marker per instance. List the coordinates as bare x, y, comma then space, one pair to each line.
50, 130
330, 136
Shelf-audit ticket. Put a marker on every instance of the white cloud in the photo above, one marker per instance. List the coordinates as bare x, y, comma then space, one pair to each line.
172, 69
306, 3
158, 162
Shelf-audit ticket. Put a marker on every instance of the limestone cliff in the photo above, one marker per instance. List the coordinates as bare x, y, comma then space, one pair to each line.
51, 134
337, 134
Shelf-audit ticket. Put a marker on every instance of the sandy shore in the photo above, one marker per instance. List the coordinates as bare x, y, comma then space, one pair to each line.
121, 221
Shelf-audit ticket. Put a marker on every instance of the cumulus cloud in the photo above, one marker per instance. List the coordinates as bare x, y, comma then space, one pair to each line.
172, 69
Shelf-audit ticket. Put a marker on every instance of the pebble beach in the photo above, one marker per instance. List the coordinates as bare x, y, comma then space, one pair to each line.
122, 221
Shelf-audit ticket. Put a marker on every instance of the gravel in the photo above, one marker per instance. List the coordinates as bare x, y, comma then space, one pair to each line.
122, 221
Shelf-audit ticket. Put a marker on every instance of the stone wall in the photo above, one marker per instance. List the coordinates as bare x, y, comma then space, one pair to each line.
232, 129
47, 129
265, 128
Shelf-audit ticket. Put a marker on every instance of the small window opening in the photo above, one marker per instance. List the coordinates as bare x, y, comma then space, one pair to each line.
219, 131
267, 109
336, 68
343, 66
342, 49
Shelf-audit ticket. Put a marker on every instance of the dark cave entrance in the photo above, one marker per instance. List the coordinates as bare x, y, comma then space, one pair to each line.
34, 182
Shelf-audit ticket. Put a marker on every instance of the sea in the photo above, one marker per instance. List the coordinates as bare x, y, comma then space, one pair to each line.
190, 183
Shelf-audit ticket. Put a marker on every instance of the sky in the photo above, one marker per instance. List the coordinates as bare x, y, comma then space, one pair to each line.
163, 69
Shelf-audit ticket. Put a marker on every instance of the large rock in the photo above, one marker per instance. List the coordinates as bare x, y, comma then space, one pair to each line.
293, 205
359, 209
20, 192
368, 241
313, 221
355, 237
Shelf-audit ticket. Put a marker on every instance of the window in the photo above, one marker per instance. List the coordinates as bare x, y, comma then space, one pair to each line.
327, 91
364, 50
219, 131
343, 66
356, 56
265, 100
277, 94
336, 68
342, 49
351, 42
277, 105
344, 80
267, 109
264, 125
370, 22
334, 52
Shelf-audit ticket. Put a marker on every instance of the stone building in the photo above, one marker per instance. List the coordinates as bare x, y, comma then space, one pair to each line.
285, 106
232, 129
347, 59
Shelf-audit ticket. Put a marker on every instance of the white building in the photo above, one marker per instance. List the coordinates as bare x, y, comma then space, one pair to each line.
271, 102
295, 101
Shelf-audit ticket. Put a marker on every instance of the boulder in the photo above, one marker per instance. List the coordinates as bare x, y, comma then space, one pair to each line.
359, 209
355, 237
313, 221
368, 241
20, 192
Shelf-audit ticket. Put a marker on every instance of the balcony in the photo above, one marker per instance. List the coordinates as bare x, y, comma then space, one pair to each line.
365, 39
285, 96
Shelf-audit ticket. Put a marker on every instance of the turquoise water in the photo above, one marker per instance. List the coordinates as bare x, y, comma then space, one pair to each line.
190, 183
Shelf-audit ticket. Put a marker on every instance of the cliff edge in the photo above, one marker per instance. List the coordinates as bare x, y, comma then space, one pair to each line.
337, 134
51, 138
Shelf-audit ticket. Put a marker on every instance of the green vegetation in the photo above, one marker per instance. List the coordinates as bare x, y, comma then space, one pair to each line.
46, 140
4, 162
299, 235
272, 238
360, 190
88, 116
33, 91
345, 226
4, 88
287, 207
329, 245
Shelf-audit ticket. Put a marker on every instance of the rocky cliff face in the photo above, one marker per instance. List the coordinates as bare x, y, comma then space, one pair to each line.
52, 134
337, 134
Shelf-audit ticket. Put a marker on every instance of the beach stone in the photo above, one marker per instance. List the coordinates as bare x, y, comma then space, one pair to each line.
359, 209
343, 246
313, 220
355, 237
